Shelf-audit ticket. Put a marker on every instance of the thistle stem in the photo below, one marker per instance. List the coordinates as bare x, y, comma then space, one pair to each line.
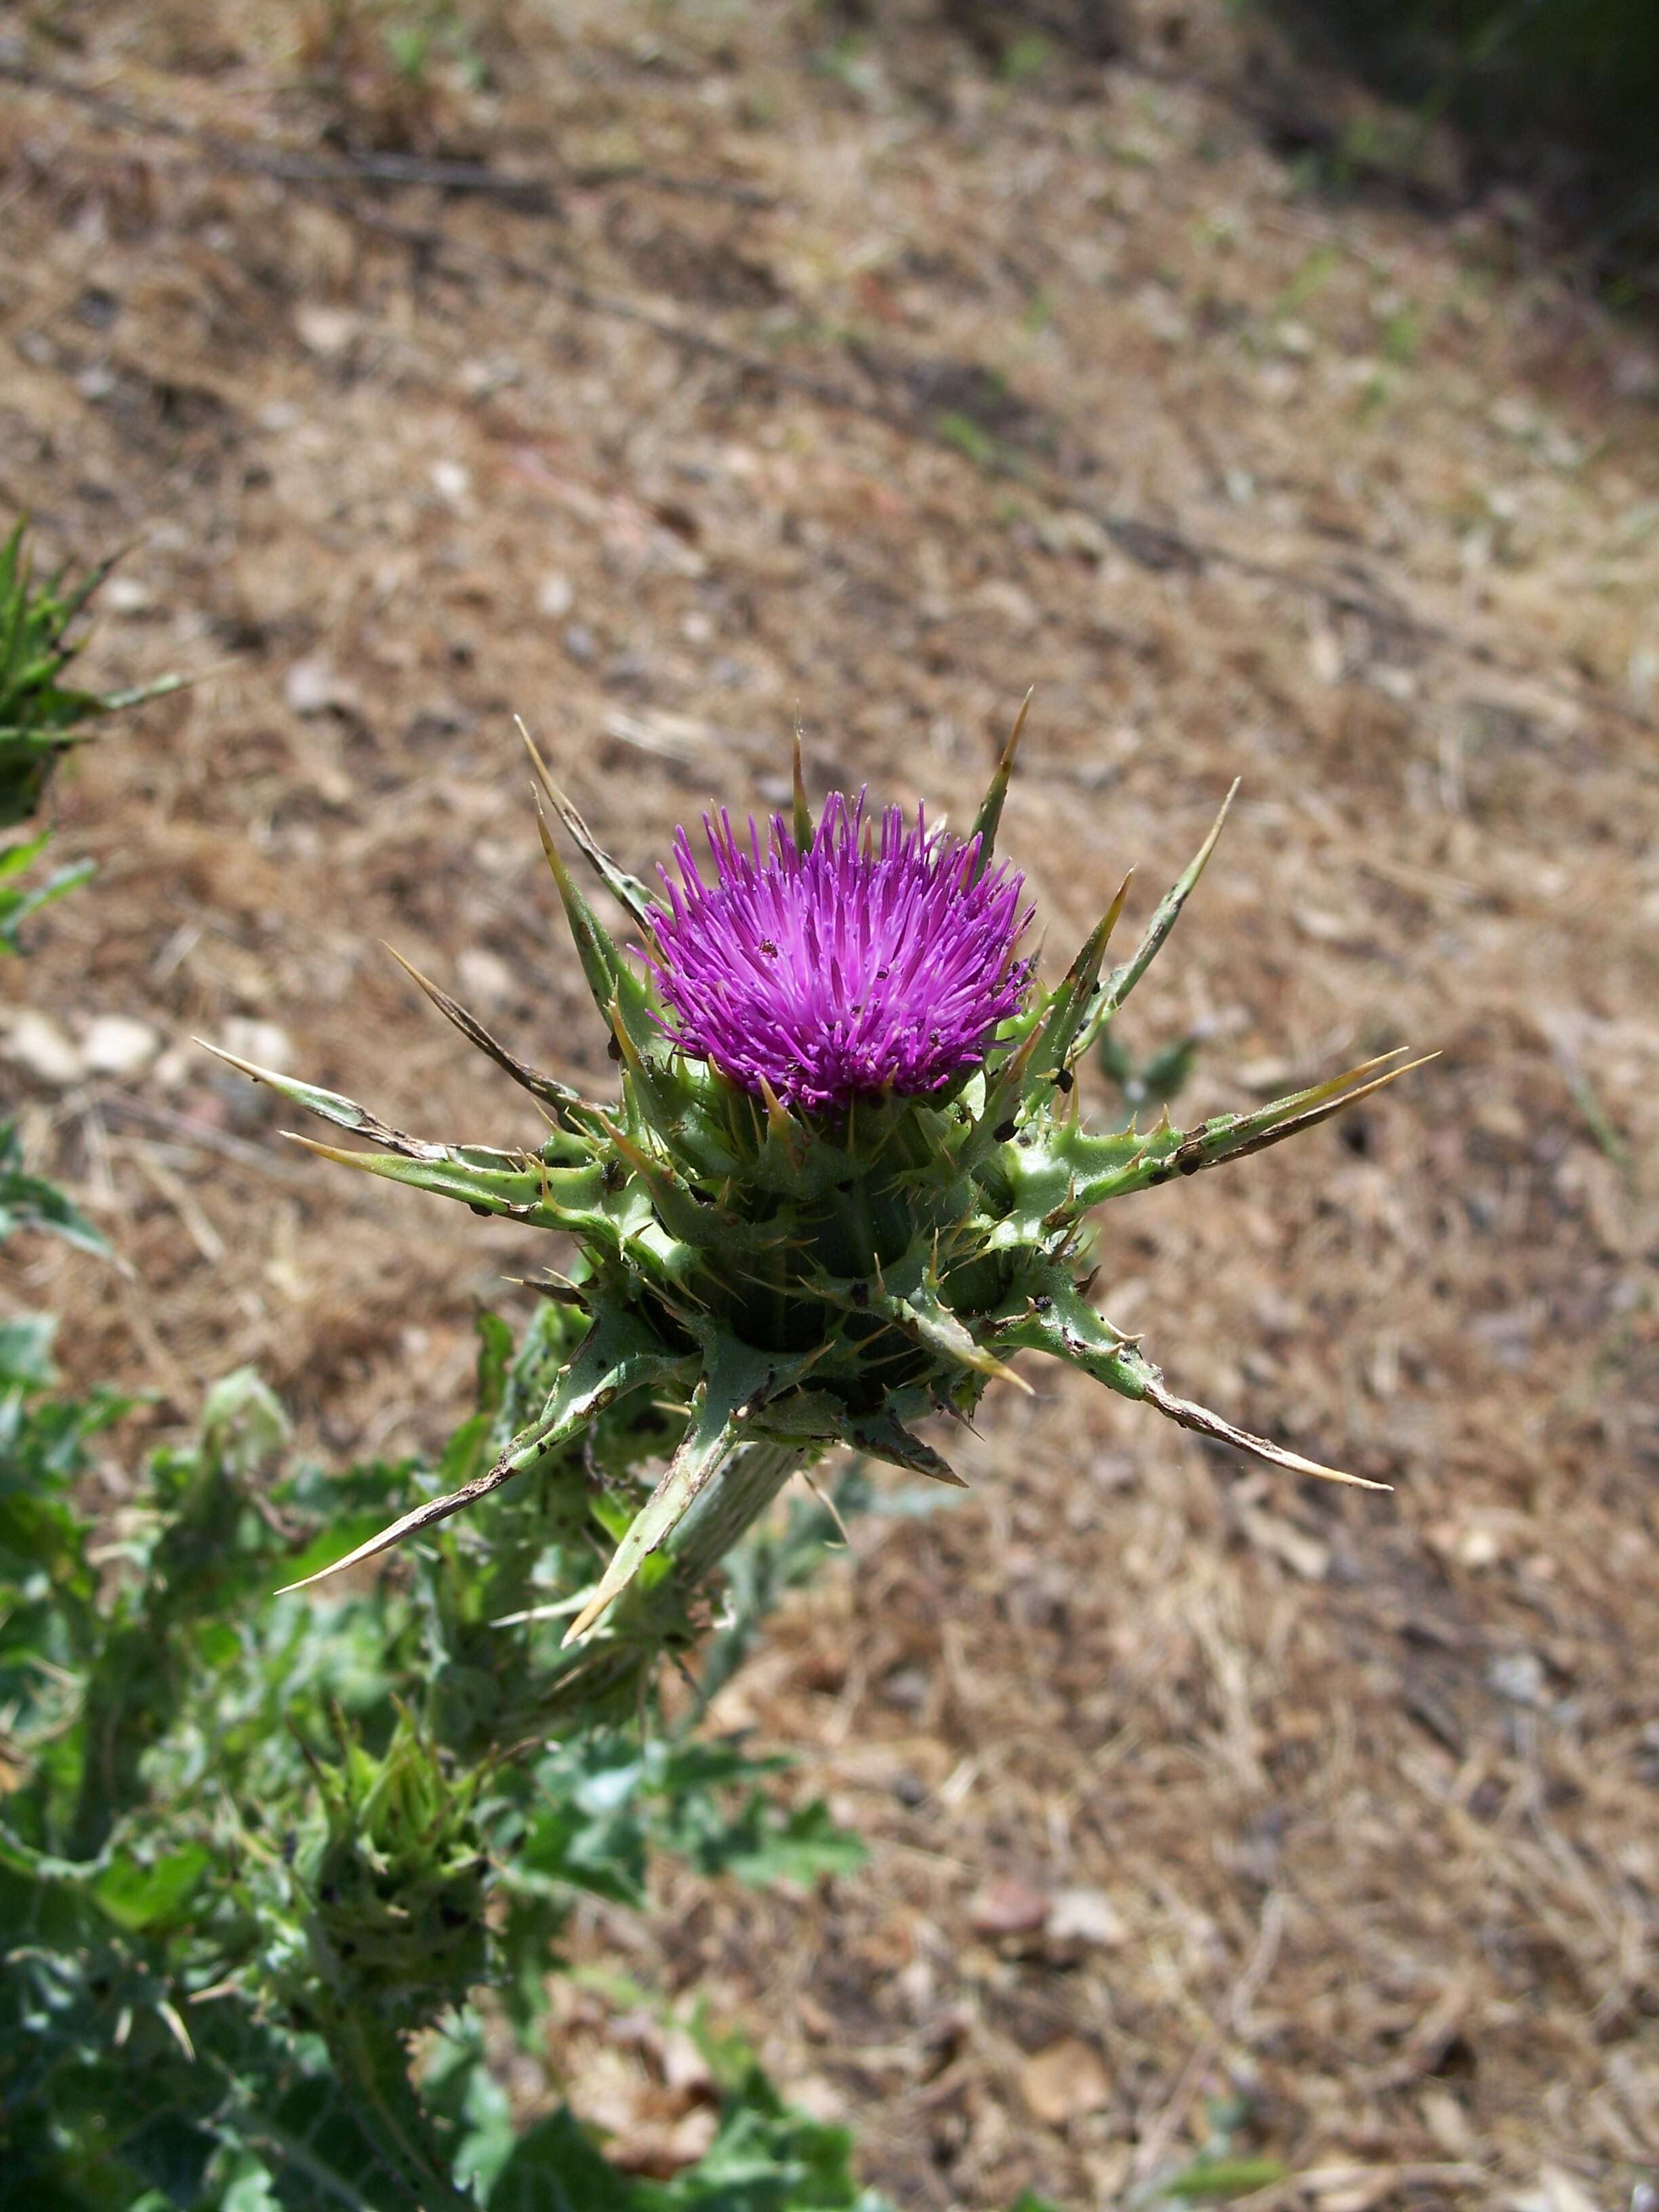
604, 1675
372, 2067
738, 1491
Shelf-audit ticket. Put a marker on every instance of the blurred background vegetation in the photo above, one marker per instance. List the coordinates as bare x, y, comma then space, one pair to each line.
1560, 95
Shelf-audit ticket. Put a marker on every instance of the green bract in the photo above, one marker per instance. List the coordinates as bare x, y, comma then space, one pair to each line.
798, 1282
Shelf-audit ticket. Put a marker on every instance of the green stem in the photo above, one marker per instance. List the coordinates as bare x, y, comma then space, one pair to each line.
604, 1677
373, 2067
736, 1494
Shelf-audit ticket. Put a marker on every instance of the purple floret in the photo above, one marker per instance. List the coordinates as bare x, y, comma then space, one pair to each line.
861, 967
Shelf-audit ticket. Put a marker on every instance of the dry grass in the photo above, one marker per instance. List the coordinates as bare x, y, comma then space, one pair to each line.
1360, 1797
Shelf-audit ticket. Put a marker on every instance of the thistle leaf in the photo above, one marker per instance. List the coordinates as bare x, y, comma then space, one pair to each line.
1207, 1423
737, 1380
628, 890
619, 1354
1054, 1319
1004, 1093
884, 1437
661, 1095
608, 975
1060, 1322
1164, 920
1167, 1151
601, 963
671, 1196
558, 1095
989, 818
525, 1189
329, 1106
925, 1314
1058, 1046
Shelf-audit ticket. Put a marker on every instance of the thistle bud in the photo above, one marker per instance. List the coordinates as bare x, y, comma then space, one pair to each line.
397, 1878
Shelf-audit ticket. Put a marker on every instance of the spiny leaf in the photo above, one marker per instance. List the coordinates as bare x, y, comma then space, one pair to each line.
601, 963
1168, 1151
884, 1437
989, 818
619, 1354
524, 1190
1207, 1423
1068, 1007
559, 1096
1060, 1322
662, 1098
1004, 1092
1164, 921
736, 1377
628, 890
329, 1106
925, 1314
609, 975
678, 1211
1248, 1138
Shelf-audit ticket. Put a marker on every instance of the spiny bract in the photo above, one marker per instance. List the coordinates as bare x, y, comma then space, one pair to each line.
847, 1175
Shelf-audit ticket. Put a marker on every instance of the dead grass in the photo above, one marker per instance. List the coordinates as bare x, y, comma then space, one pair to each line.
1358, 1798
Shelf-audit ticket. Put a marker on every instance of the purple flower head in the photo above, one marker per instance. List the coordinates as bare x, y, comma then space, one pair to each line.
857, 968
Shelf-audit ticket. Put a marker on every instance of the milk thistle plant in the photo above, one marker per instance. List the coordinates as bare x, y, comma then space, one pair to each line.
846, 1177
258, 1855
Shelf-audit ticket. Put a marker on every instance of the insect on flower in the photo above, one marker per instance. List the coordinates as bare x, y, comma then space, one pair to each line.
847, 1175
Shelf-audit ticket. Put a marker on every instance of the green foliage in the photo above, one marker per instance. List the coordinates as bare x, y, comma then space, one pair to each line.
1222, 2172
1497, 61
967, 436
28, 1201
1024, 57
18, 900
1212, 2180
40, 716
259, 1852
765, 2159
250, 1845
1580, 72
418, 32
1153, 1081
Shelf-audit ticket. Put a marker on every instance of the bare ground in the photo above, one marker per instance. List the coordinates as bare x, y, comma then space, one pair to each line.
854, 375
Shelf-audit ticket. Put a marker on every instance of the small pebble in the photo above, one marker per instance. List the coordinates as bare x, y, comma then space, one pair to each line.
264, 1043
36, 1043
117, 1044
